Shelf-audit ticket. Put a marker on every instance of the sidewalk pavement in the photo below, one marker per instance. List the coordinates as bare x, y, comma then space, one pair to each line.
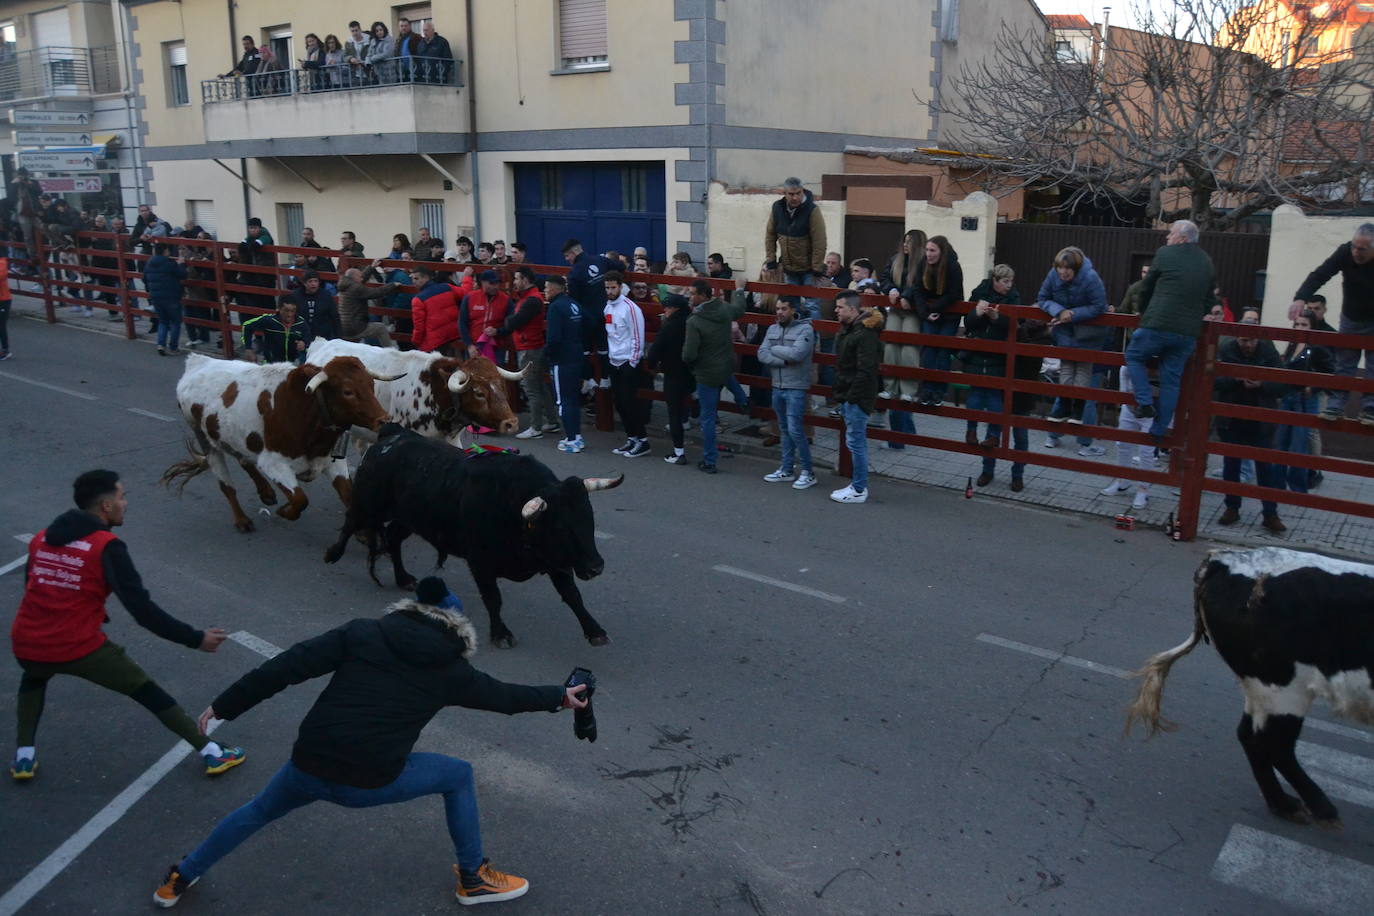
1045, 487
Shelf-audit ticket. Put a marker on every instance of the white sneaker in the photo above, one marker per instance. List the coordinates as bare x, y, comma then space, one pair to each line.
885, 393
1091, 451
550, 428
629, 444
571, 446
1115, 487
90, 312
1141, 499
780, 476
805, 482
849, 495
908, 399
1051, 443
530, 433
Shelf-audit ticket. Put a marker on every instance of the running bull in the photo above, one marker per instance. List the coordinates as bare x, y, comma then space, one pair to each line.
1293, 627
507, 515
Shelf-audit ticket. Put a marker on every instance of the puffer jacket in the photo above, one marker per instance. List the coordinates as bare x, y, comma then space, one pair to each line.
1086, 297
708, 350
798, 237
786, 351
857, 351
162, 276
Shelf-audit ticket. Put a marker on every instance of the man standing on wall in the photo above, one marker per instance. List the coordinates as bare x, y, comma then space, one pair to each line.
1354, 261
796, 237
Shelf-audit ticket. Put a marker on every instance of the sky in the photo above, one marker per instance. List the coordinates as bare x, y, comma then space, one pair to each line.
1122, 10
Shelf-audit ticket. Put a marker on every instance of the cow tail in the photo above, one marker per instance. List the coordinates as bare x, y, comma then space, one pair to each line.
1145, 709
196, 464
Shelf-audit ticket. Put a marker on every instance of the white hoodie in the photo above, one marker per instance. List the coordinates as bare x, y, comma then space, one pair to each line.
624, 331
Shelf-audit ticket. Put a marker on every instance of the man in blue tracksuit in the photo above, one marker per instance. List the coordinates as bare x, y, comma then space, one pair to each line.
565, 352
586, 286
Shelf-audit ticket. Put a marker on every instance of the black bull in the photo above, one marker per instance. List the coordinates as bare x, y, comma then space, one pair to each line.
507, 515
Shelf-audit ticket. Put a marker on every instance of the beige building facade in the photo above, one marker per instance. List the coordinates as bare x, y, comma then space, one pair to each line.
616, 121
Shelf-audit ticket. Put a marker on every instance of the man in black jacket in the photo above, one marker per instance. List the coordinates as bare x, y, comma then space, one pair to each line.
316, 307
390, 676
1354, 261
1249, 351
665, 355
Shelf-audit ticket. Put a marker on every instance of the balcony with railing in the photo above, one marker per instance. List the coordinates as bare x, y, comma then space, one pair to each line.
401, 106
54, 73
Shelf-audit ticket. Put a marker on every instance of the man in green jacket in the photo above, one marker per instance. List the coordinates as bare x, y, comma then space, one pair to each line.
1178, 290
857, 352
710, 355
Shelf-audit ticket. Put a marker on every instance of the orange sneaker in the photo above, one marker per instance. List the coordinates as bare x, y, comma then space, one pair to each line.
173, 886
487, 886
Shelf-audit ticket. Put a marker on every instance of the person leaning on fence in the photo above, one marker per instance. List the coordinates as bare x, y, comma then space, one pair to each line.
1354, 261
941, 286
1071, 294
354, 296
163, 278
786, 354
898, 281
857, 350
381, 55
1249, 351
1178, 291
1304, 399
986, 322
436, 56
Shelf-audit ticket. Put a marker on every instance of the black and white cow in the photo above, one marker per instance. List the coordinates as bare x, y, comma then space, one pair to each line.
1294, 627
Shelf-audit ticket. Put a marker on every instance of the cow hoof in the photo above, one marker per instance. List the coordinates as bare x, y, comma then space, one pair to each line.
1331, 824
333, 554
407, 583
244, 525
504, 642
290, 513
601, 640
1294, 814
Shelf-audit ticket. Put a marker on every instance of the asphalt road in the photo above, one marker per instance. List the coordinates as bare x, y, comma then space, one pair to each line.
884, 741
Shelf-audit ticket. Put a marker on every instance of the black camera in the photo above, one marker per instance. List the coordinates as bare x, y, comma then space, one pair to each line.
584, 720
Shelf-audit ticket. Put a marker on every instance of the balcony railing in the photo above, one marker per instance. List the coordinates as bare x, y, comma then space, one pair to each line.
45, 73
418, 71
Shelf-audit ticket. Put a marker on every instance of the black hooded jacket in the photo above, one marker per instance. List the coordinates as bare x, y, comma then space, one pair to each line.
391, 675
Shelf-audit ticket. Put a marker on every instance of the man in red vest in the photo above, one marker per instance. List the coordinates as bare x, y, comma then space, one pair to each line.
73, 566
525, 328
481, 309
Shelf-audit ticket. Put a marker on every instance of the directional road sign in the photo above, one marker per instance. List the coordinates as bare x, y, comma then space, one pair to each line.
28, 117
45, 161
52, 138
79, 185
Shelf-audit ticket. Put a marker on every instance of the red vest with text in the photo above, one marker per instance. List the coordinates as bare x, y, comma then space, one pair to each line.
483, 314
530, 336
63, 608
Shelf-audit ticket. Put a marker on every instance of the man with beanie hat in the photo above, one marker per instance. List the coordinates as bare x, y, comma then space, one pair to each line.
390, 676
665, 355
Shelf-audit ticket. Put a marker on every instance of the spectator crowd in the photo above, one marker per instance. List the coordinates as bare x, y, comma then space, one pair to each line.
605, 325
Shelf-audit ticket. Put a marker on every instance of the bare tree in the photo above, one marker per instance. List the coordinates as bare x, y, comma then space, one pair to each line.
1213, 109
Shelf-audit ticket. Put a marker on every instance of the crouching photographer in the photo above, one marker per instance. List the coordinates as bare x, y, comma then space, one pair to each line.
390, 676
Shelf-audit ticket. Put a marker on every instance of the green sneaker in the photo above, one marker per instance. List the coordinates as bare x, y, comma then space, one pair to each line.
229, 758
23, 768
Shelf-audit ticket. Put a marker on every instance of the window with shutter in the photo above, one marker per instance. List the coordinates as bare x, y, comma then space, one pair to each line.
202, 213
430, 215
582, 34
178, 91
291, 222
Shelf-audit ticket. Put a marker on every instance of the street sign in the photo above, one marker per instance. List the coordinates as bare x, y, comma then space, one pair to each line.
51, 138
28, 117
59, 161
82, 185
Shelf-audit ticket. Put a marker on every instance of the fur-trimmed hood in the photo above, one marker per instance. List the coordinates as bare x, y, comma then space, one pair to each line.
872, 318
410, 628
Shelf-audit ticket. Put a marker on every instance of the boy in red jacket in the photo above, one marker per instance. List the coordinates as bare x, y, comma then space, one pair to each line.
73, 566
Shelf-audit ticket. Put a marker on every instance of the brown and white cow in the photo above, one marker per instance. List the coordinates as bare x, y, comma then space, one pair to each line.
279, 421
438, 395
1294, 627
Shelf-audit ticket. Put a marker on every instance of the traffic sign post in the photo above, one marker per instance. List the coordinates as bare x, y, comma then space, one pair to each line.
28, 117
51, 138
61, 161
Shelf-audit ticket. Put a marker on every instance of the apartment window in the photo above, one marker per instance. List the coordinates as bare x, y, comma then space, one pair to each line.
418, 14
429, 214
202, 213
291, 221
551, 187
178, 94
279, 40
634, 188
8, 35
582, 34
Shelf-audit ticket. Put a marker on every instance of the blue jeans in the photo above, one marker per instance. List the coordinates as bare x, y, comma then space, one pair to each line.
168, 323
737, 392
708, 396
1173, 351
939, 358
856, 437
805, 278
790, 405
1258, 435
900, 421
1348, 364
1295, 439
1020, 439
424, 774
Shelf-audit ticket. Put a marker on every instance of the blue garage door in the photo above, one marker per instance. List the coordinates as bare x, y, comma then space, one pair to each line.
608, 206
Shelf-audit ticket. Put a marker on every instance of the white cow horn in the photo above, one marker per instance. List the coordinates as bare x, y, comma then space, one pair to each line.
319, 379
458, 381
513, 376
533, 509
385, 378
602, 483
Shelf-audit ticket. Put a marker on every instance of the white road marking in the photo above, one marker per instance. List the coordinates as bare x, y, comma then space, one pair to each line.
28, 381
15, 564
34, 882
780, 583
601, 535
1341, 774
1053, 655
1293, 873
1358, 734
155, 416
23, 538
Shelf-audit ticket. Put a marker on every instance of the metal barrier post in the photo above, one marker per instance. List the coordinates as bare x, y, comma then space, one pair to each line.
1197, 384
40, 261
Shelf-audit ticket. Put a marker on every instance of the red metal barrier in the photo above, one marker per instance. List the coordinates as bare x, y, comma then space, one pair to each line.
1187, 443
